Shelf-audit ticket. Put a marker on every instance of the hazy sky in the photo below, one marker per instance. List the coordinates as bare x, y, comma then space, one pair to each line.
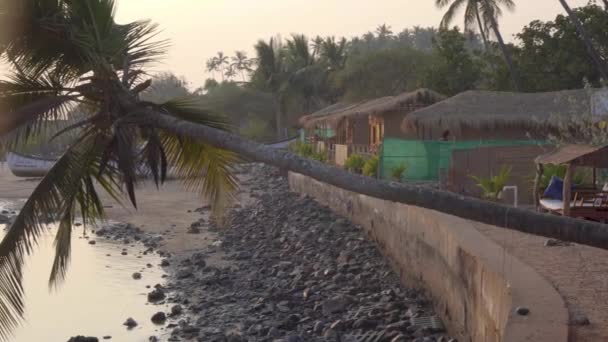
199, 29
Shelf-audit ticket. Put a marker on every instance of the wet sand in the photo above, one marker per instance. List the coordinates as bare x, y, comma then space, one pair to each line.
170, 208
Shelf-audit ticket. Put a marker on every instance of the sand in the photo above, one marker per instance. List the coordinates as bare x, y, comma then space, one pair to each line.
169, 208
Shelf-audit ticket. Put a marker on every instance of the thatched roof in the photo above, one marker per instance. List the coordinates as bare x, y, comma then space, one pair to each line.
581, 155
404, 102
487, 110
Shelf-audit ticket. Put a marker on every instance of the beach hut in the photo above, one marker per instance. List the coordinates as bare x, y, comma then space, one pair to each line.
490, 115
360, 127
576, 200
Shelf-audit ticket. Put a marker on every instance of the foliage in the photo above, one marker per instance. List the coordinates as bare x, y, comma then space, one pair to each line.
552, 56
355, 163
550, 170
302, 149
308, 151
381, 73
257, 130
454, 69
370, 168
398, 172
492, 187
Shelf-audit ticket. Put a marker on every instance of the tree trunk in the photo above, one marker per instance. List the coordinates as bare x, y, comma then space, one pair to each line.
482, 31
512, 70
593, 53
566, 229
279, 117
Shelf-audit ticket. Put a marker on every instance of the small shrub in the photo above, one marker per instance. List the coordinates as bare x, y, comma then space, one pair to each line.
492, 187
302, 149
398, 172
319, 156
370, 168
354, 163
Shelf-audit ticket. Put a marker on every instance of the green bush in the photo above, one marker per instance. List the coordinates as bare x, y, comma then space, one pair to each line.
492, 187
319, 156
560, 171
355, 163
302, 149
370, 168
398, 172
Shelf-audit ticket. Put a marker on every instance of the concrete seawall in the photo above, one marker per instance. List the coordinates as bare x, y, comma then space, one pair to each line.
476, 285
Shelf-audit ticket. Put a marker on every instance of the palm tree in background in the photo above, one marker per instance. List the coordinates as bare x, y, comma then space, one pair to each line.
472, 16
485, 13
222, 64
211, 66
241, 63
270, 75
384, 32
580, 28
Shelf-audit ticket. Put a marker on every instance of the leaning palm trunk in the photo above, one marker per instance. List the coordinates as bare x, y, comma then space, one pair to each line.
593, 53
567, 229
482, 31
508, 59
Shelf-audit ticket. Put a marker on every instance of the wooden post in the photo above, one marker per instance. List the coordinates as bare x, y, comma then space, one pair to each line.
537, 178
567, 194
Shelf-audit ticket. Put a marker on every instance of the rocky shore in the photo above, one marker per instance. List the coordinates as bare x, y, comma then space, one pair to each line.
291, 271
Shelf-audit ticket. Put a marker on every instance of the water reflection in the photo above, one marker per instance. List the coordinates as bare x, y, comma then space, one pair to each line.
98, 295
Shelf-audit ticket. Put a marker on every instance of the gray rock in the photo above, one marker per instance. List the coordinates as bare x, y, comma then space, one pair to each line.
156, 295
130, 323
5, 219
159, 318
92, 242
176, 310
136, 275
83, 339
335, 305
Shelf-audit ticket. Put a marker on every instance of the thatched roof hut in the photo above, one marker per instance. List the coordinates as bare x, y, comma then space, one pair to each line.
488, 111
333, 115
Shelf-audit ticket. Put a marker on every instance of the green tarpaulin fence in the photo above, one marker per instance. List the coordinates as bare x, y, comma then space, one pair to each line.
424, 159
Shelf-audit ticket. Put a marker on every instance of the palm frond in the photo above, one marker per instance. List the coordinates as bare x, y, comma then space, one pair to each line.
51, 200
202, 168
191, 109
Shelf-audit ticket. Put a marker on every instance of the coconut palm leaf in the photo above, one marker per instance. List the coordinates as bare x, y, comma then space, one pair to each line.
53, 199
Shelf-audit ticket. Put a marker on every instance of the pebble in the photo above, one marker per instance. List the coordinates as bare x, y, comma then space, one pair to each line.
295, 271
159, 318
522, 311
130, 323
136, 275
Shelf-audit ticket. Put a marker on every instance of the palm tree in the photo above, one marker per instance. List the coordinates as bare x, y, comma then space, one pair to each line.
580, 28
384, 32
472, 17
211, 66
271, 76
486, 14
241, 63
66, 53
221, 63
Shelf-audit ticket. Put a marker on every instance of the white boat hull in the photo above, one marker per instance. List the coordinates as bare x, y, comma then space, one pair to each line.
27, 166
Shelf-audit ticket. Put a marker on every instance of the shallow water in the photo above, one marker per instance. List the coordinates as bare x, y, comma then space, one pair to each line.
98, 295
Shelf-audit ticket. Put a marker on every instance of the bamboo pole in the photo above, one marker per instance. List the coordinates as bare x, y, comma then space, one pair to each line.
567, 192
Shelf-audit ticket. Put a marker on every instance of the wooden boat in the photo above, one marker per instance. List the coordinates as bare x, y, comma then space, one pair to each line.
28, 166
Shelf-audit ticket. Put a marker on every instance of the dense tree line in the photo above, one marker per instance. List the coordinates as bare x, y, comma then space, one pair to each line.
297, 74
